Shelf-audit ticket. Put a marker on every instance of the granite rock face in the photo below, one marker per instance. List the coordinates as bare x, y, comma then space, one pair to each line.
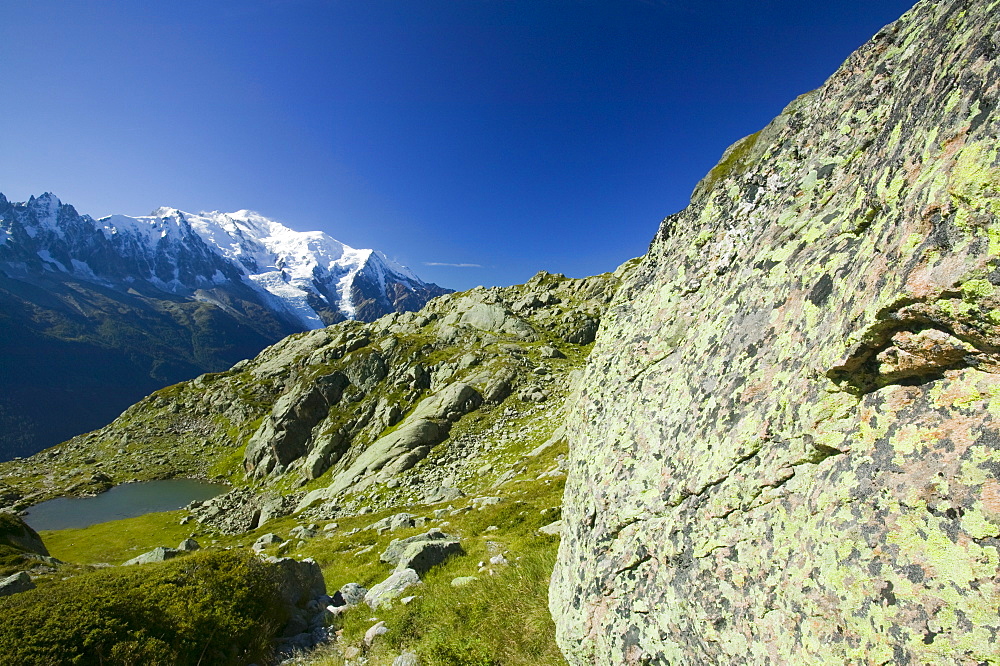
786, 446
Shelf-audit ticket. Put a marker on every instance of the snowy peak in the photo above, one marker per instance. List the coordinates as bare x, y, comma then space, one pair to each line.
308, 277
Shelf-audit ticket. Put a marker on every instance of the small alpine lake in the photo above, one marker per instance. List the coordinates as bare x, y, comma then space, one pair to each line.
125, 501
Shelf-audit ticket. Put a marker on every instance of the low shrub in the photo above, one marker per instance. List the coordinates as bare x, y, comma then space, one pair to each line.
206, 608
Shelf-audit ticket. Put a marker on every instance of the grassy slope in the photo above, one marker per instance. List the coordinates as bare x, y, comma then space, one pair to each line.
500, 618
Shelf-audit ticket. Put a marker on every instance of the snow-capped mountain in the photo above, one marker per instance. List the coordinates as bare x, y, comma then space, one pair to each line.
118, 307
308, 277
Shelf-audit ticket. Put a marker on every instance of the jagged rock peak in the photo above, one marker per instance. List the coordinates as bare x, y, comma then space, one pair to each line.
785, 445
310, 278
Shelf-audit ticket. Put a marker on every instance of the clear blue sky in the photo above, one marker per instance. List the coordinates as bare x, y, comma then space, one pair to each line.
515, 135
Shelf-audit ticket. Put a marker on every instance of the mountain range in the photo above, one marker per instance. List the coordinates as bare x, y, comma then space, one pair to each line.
119, 306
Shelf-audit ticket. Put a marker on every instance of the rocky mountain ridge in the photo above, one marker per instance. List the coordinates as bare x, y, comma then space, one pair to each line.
122, 306
350, 408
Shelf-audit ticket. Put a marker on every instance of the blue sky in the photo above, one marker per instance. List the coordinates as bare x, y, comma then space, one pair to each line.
508, 136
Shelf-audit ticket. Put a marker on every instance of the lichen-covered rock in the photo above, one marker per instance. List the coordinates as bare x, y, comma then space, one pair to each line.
786, 446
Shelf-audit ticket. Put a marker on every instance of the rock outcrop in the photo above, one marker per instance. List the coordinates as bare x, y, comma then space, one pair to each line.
18, 535
786, 447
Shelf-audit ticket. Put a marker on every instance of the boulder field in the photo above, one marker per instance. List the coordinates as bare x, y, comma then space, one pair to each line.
786, 445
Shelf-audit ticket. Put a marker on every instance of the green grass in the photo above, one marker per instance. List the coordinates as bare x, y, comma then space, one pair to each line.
497, 620
119, 540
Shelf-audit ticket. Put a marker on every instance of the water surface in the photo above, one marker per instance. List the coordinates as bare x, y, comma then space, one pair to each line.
125, 501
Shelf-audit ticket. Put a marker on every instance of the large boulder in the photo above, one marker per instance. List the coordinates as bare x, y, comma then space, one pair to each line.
300, 581
786, 445
422, 556
394, 552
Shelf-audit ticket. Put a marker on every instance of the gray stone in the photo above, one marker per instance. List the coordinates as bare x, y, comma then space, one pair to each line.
480, 502
275, 507
442, 494
391, 588
282, 437
188, 545
299, 581
19, 582
548, 351
158, 554
395, 522
269, 539
462, 581
498, 320
421, 556
557, 436
350, 594
449, 403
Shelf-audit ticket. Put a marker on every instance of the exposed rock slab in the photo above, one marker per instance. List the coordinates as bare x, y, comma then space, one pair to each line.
786, 446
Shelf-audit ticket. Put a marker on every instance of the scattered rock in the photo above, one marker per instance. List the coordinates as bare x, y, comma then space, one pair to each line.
188, 545
349, 595
266, 540
158, 554
392, 523
235, 512
480, 502
394, 552
548, 351
442, 494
